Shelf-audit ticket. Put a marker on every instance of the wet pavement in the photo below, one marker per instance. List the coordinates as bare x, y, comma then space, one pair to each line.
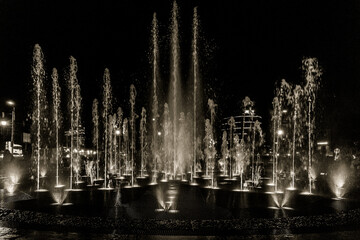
15, 233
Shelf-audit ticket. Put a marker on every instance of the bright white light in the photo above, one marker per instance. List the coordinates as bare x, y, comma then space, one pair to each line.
3, 123
11, 103
117, 132
322, 143
280, 132
159, 133
43, 173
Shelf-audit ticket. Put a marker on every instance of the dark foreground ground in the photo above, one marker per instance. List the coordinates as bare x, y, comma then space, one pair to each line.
11, 233
28, 223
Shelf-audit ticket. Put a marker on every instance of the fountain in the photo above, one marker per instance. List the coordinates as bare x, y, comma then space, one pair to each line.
242, 159
175, 81
38, 76
155, 103
119, 133
142, 142
225, 154
107, 106
195, 61
77, 162
95, 139
133, 116
231, 124
294, 100
56, 119
177, 149
312, 73
210, 150
126, 144
167, 142
13, 176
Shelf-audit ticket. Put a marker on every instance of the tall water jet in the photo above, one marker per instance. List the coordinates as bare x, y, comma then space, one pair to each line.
274, 120
168, 146
294, 100
175, 79
112, 142
281, 93
95, 139
38, 76
125, 133
312, 73
182, 163
231, 124
155, 103
132, 127
72, 83
107, 106
78, 127
277, 131
256, 130
195, 62
119, 124
241, 158
210, 151
224, 153
56, 116
142, 140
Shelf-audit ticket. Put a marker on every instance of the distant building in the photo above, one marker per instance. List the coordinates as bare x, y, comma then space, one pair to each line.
78, 138
243, 123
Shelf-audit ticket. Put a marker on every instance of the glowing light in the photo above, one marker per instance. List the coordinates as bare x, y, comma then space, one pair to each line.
10, 187
11, 103
3, 123
159, 133
59, 196
322, 143
43, 172
14, 178
117, 132
306, 193
280, 132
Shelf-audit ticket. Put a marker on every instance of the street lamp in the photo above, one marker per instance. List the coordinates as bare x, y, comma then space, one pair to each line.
12, 104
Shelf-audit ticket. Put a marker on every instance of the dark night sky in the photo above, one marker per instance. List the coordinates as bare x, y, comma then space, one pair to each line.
246, 46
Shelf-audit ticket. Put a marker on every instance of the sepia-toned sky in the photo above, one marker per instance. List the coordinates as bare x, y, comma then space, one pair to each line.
245, 47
